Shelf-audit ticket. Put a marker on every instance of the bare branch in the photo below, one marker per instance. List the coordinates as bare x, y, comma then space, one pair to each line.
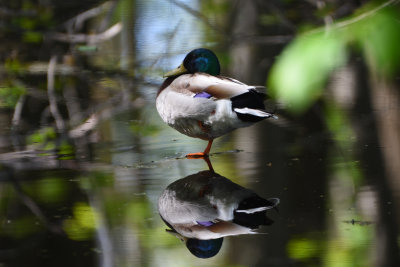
75, 24
87, 38
85, 127
52, 96
328, 20
108, 17
356, 19
17, 111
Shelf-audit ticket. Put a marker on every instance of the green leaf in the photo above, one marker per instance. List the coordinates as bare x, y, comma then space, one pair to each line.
379, 39
299, 75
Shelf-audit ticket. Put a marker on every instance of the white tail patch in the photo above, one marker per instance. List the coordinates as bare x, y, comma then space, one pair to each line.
254, 112
274, 202
250, 211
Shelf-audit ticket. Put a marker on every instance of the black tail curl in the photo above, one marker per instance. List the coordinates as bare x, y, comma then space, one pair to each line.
253, 220
251, 99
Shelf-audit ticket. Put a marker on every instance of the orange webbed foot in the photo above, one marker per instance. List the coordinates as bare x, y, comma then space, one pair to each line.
199, 155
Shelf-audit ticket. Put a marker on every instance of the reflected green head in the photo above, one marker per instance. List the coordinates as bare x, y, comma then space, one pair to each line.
202, 60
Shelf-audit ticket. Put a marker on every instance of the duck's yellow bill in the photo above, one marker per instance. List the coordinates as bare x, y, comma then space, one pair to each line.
179, 70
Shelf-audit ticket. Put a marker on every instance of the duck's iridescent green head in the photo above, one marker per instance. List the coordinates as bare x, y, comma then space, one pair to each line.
198, 60
202, 60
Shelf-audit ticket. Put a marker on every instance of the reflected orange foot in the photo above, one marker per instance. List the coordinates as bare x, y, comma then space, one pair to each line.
197, 155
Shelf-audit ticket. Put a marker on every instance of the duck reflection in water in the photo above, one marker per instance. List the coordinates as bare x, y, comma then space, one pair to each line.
202, 208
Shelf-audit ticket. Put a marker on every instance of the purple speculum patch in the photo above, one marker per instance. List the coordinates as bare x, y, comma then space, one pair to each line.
203, 95
206, 224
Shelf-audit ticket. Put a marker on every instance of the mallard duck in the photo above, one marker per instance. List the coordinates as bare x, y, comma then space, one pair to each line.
198, 102
204, 207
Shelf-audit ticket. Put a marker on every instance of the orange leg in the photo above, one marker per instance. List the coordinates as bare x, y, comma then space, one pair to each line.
201, 154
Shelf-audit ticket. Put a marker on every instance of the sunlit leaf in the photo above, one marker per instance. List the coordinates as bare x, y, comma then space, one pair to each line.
300, 73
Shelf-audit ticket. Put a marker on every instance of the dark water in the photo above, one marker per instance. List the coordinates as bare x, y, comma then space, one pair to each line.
92, 201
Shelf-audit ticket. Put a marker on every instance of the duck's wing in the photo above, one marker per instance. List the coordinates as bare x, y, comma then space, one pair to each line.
207, 86
198, 95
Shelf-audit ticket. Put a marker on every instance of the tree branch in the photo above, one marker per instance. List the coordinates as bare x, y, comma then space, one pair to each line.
355, 19
87, 38
52, 96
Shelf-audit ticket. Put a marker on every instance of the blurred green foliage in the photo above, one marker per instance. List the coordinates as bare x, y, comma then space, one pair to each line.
83, 223
49, 191
32, 37
13, 66
52, 190
302, 71
21, 227
144, 129
378, 37
10, 93
66, 151
344, 136
46, 139
42, 135
349, 247
303, 249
